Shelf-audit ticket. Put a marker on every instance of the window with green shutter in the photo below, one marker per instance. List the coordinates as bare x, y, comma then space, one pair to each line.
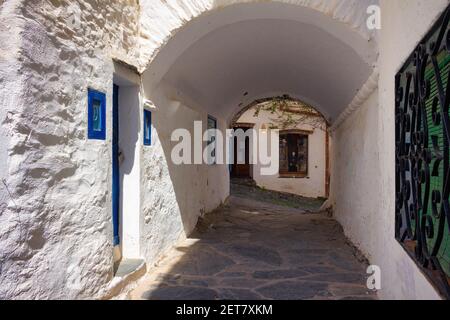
437, 177
423, 155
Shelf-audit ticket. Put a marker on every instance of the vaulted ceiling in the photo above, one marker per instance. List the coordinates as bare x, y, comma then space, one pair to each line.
224, 60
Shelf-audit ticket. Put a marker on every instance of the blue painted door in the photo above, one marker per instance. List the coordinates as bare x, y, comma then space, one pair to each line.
115, 165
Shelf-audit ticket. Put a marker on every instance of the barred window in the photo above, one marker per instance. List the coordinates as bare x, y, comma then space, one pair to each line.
422, 155
212, 125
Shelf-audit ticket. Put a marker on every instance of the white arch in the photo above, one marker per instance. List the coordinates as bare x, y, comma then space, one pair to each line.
161, 20
188, 26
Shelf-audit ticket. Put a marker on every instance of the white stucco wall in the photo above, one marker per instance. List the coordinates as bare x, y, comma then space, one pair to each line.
10, 91
355, 171
174, 196
313, 185
56, 235
405, 23
130, 140
363, 167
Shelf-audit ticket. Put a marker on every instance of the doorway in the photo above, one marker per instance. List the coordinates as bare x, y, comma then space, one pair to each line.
242, 169
116, 174
126, 140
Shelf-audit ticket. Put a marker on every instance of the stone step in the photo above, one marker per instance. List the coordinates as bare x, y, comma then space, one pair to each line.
128, 272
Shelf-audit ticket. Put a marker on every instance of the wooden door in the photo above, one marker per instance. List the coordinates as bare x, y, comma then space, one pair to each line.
242, 170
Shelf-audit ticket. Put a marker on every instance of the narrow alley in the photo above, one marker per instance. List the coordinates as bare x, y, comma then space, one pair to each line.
257, 249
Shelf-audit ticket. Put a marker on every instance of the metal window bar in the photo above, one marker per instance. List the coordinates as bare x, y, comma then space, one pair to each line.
422, 140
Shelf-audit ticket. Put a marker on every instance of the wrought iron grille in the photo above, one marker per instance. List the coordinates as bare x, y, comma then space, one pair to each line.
423, 153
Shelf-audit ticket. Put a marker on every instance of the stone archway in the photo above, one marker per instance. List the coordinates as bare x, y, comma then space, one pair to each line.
221, 37
219, 56
261, 101
214, 60
161, 21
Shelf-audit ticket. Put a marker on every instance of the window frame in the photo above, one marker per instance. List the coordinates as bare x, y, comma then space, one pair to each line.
147, 125
298, 174
210, 117
421, 217
94, 95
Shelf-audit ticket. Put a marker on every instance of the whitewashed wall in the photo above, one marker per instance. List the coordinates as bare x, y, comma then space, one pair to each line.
363, 180
174, 196
355, 171
56, 234
313, 185
405, 23
160, 19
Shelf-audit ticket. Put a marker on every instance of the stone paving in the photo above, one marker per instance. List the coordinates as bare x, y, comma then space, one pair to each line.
255, 250
247, 188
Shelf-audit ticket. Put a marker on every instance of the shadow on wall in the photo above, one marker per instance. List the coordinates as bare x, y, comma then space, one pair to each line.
174, 196
129, 128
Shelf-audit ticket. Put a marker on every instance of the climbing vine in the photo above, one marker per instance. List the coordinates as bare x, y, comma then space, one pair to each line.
289, 114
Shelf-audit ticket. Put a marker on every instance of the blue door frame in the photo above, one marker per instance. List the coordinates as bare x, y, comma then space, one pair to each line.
115, 166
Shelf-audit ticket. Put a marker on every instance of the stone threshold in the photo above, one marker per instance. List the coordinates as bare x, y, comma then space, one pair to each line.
128, 272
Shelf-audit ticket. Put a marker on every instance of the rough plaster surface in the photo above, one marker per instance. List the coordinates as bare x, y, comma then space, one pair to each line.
312, 186
56, 230
173, 197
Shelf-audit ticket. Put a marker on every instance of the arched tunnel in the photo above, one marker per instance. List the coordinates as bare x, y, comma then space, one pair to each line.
226, 59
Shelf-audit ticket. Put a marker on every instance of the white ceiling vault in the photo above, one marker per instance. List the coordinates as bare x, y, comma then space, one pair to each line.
226, 59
